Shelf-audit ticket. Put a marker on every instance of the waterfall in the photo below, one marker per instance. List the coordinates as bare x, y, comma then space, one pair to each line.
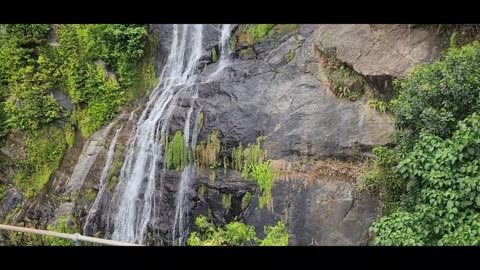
134, 194
133, 205
181, 211
224, 41
182, 202
103, 183
224, 47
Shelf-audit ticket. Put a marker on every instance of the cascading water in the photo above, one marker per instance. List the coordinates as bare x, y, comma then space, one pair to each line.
134, 194
225, 37
182, 202
134, 203
224, 47
103, 183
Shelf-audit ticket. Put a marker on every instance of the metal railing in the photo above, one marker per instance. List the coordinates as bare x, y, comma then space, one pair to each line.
74, 237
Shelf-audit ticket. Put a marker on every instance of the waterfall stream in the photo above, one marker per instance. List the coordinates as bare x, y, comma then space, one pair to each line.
103, 183
133, 204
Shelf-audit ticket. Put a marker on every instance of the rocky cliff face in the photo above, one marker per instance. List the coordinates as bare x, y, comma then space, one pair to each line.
276, 88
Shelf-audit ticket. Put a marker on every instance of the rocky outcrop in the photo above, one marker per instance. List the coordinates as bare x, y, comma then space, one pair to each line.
275, 88
380, 52
283, 101
374, 50
11, 199
289, 102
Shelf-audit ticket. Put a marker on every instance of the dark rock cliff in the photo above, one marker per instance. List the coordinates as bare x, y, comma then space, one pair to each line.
278, 89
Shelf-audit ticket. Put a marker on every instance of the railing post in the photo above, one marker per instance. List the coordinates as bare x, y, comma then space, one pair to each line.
75, 239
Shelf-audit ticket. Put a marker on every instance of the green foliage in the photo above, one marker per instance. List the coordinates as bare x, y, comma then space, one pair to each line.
453, 39
104, 97
27, 35
342, 78
225, 165
100, 66
201, 121
281, 28
250, 161
289, 56
89, 194
208, 152
3, 190
233, 43
202, 191
12, 214
264, 177
146, 78
227, 201
70, 136
97, 93
4, 129
380, 178
175, 154
246, 199
44, 152
252, 33
63, 225
430, 182
247, 51
236, 234
275, 235
257, 32
112, 176
244, 159
27, 73
379, 105
399, 229
214, 55
445, 188
467, 234
24, 239
434, 97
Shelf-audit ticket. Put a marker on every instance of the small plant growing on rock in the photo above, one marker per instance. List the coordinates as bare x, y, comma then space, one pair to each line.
236, 234
175, 154
378, 105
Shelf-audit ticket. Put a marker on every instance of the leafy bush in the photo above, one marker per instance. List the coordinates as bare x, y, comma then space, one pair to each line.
62, 226
236, 234
381, 178
98, 94
96, 64
27, 73
258, 31
44, 153
430, 182
445, 189
434, 97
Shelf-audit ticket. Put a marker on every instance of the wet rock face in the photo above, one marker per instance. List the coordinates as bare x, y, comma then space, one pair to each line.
278, 90
282, 100
9, 202
63, 99
324, 212
287, 100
